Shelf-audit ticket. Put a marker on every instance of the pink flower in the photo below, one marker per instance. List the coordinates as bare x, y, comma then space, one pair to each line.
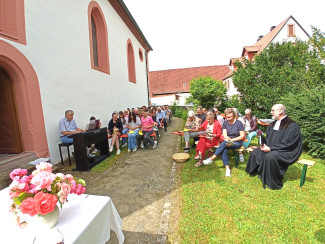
73, 185
44, 166
16, 187
45, 202
62, 176
18, 172
80, 189
42, 180
28, 206
65, 188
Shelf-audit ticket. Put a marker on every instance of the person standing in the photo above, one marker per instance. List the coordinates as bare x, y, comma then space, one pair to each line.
283, 147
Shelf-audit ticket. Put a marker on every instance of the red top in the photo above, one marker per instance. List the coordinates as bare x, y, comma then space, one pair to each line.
216, 130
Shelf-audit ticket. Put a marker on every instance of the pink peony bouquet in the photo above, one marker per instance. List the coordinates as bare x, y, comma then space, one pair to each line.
38, 193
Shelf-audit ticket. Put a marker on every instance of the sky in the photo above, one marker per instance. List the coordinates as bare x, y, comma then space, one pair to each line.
194, 33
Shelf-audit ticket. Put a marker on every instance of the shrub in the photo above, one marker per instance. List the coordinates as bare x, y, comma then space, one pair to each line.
308, 110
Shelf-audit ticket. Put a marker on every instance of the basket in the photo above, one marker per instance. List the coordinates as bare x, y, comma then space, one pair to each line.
180, 157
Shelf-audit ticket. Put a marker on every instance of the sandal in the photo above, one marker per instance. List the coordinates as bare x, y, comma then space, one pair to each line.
197, 157
198, 164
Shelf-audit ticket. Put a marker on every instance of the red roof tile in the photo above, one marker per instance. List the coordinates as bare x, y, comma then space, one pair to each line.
172, 81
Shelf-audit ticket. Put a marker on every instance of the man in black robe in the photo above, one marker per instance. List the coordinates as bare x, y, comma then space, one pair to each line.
283, 147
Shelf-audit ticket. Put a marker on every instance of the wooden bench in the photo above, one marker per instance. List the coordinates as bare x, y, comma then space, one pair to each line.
305, 164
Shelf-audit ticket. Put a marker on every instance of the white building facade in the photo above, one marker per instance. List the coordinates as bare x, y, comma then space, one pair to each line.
88, 56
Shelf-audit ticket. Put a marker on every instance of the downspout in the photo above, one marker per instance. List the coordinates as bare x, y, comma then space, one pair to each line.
147, 74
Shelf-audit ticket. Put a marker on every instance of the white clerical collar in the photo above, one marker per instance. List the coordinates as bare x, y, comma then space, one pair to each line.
277, 123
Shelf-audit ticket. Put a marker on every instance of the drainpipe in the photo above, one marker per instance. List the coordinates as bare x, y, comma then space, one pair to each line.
147, 74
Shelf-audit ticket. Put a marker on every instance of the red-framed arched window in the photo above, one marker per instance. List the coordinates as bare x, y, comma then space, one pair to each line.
98, 38
131, 61
12, 20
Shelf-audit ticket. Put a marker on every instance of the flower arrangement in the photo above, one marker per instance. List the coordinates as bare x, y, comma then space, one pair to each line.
38, 193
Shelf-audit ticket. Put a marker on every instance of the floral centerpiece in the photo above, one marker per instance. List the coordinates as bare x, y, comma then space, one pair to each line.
39, 193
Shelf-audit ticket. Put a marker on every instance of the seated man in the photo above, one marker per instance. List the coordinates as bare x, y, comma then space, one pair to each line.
68, 126
161, 118
283, 147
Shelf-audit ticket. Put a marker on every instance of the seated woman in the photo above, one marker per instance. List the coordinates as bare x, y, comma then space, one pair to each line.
233, 132
134, 125
146, 126
213, 130
155, 127
250, 124
125, 127
191, 130
115, 128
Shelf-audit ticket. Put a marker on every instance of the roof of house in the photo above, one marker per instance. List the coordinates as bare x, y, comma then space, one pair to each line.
128, 19
264, 41
172, 81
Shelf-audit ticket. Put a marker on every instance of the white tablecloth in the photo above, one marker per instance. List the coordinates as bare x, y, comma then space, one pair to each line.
84, 219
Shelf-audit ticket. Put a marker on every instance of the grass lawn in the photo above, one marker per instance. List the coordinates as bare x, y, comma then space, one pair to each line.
218, 209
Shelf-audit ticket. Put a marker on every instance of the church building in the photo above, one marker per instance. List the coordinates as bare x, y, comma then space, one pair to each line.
87, 56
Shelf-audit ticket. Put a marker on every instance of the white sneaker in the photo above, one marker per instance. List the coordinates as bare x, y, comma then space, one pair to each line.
111, 149
118, 152
124, 144
154, 145
241, 158
228, 173
135, 149
141, 145
208, 161
95, 151
129, 150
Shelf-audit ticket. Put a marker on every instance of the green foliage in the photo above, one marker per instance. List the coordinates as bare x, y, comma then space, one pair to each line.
308, 110
206, 91
318, 41
179, 112
233, 102
278, 70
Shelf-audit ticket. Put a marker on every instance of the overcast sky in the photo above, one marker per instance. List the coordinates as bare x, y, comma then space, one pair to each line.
193, 33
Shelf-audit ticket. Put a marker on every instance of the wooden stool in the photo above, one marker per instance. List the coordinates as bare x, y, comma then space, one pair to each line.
305, 164
67, 145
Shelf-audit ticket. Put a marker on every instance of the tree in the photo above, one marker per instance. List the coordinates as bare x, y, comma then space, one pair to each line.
206, 91
278, 70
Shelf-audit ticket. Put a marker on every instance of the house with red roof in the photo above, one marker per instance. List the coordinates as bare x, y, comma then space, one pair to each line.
169, 86
287, 31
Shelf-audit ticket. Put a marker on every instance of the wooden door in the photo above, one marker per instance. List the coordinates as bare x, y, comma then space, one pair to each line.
10, 136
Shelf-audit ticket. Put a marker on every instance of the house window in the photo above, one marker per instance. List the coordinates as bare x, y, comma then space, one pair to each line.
12, 20
98, 39
131, 61
184, 85
140, 54
291, 30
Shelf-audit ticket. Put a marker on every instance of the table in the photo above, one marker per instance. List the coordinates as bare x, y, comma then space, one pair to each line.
179, 133
84, 219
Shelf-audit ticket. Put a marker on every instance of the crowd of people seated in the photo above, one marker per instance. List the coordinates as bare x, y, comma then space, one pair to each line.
138, 127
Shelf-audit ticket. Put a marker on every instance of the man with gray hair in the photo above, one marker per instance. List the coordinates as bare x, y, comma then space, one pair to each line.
68, 126
283, 147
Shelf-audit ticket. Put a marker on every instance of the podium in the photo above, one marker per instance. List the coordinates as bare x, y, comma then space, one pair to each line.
82, 140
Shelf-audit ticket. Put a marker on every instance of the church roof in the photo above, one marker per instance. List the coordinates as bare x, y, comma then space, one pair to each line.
128, 19
178, 80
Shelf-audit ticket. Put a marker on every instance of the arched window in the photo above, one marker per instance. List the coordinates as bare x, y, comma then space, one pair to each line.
12, 20
98, 38
140, 54
131, 61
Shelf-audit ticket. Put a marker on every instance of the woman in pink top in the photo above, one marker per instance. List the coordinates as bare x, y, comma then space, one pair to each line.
147, 124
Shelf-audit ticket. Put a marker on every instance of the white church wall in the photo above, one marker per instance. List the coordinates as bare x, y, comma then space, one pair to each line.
57, 35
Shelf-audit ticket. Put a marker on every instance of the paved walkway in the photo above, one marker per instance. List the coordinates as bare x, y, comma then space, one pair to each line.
140, 185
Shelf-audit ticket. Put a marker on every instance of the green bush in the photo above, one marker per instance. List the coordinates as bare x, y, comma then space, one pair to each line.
308, 110
179, 112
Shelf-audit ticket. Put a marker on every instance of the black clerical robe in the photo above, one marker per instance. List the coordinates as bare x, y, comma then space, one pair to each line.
286, 148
